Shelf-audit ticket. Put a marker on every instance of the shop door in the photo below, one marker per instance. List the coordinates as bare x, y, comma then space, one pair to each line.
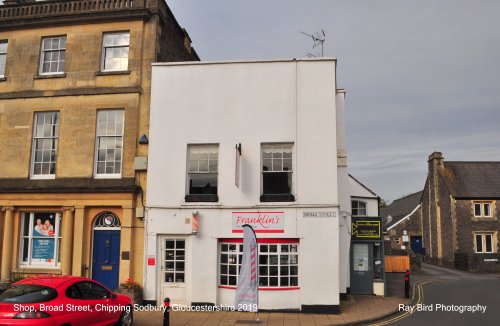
173, 270
416, 244
362, 268
106, 257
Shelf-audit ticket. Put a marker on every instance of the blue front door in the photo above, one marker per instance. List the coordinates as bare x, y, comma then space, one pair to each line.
416, 244
106, 257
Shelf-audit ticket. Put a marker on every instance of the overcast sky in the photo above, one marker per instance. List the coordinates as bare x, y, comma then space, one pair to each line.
421, 76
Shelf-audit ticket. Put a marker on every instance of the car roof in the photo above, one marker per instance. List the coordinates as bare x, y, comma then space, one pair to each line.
52, 280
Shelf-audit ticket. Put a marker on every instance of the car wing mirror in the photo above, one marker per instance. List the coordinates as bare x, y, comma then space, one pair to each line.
113, 296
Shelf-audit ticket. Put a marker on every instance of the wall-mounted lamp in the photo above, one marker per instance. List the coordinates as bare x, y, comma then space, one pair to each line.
195, 223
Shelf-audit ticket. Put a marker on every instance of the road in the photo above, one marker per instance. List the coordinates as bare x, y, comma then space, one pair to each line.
448, 297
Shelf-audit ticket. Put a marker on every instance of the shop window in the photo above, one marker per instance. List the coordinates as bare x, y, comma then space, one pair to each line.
358, 208
277, 173
53, 55
203, 167
40, 240
484, 243
44, 148
109, 143
278, 264
3, 57
482, 209
115, 51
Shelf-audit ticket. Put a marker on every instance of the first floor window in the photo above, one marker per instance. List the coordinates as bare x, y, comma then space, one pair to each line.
203, 167
278, 263
45, 136
482, 209
358, 208
484, 243
277, 172
109, 143
40, 239
3, 57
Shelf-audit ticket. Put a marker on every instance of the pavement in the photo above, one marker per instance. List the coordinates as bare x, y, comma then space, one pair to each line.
357, 310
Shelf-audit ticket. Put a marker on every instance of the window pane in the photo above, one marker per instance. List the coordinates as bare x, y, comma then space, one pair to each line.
488, 243
479, 243
277, 182
487, 211
477, 209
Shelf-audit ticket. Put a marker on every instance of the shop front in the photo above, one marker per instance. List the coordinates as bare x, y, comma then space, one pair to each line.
367, 256
201, 265
87, 235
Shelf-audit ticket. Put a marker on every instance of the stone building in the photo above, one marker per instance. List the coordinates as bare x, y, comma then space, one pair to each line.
460, 214
403, 224
75, 81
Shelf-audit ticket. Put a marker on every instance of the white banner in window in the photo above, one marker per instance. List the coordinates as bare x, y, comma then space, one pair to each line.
261, 222
247, 292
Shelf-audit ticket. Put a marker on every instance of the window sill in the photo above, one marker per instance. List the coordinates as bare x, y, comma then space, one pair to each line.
108, 176
38, 270
108, 73
207, 198
277, 198
49, 76
43, 177
263, 288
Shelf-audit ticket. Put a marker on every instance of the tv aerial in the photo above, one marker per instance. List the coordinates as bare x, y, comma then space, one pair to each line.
319, 39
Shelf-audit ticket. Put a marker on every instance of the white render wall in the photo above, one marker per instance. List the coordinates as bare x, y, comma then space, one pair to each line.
344, 198
358, 192
250, 103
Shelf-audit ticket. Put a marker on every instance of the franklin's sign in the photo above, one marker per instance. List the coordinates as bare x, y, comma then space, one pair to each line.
261, 222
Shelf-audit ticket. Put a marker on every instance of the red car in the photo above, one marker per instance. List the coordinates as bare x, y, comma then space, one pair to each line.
65, 301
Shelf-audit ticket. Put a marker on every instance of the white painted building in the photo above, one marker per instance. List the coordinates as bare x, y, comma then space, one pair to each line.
288, 117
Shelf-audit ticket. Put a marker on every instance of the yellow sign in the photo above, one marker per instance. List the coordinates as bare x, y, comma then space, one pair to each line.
366, 229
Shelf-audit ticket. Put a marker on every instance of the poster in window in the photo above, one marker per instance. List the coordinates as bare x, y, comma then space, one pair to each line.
44, 225
43, 237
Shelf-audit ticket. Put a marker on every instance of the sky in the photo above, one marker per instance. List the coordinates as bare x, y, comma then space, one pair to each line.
421, 76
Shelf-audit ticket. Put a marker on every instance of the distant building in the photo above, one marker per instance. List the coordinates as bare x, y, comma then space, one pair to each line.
461, 214
75, 80
403, 224
289, 181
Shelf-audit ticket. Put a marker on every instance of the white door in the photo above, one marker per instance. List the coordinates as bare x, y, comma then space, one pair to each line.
173, 270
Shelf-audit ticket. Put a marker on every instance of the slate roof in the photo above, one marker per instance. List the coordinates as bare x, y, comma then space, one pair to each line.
400, 208
472, 179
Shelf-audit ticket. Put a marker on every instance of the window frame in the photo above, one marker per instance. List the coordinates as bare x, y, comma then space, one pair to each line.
59, 50
358, 208
97, 143
238, 245
483, 236
34, 139
275, 197
482, 205
104, 47
4, 54
202, 197
57, 236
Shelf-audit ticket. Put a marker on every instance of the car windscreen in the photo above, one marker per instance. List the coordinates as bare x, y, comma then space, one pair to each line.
28, 293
